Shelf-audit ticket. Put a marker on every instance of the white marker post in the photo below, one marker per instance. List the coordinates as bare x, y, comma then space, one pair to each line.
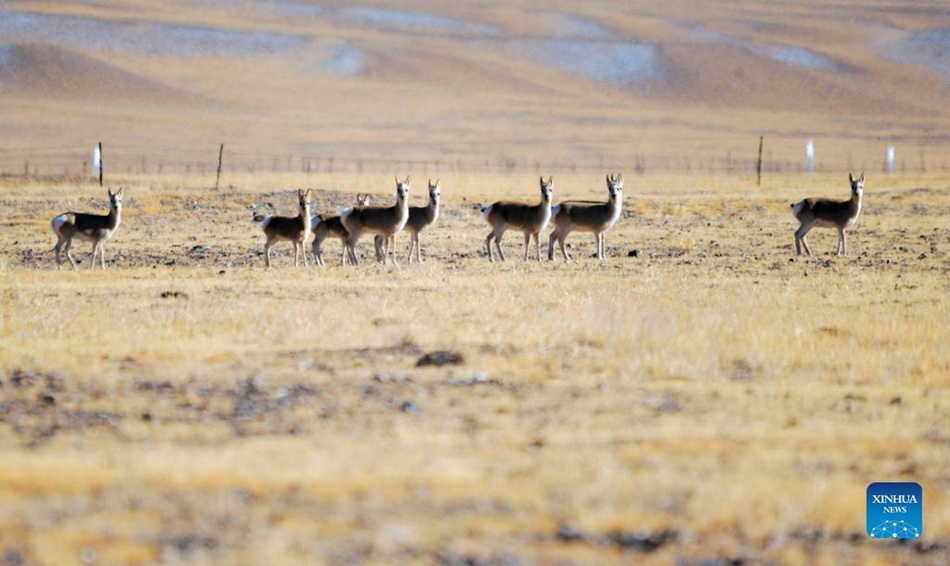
97, 161
889, 160
810, 156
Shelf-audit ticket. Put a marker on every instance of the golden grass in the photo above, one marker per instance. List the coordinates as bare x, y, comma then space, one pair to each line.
189, 404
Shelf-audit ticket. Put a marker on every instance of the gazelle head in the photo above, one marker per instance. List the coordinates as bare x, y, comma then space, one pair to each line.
547, 189
363, 200
115, 199
435, 191
402, 189
615, 186
304, 200
857, 185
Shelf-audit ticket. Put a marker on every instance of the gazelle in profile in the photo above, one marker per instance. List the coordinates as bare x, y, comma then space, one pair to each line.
529, 218
583, 216
385, 221
293, 228
325, 225
420, 218
94, 228
823, 212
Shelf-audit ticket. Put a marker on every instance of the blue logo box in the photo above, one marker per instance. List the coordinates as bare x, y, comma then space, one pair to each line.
895, 510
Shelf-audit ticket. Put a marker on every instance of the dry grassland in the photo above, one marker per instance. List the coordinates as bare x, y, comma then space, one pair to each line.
711, 400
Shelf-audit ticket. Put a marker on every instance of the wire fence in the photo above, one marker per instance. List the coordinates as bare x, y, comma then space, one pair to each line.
120, 160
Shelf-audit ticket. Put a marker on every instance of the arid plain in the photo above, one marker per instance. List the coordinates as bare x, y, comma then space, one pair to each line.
703, 396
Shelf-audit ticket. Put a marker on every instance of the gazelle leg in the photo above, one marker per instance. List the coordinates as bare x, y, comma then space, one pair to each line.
527, 241
351, 243
537, 241
57, 249
69, 254
267, 252
488, 245
842, 250
800, 239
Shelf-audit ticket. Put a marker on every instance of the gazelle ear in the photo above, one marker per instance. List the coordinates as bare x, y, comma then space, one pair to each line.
610, 179
620, 178
407, 179
850, 177
862, 177
121, 191
551, 179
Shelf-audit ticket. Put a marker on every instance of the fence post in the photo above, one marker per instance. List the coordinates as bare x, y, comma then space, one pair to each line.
758, 164
100, 163
217, 178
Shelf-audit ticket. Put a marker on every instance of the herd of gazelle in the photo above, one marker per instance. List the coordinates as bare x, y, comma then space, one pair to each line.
385, 222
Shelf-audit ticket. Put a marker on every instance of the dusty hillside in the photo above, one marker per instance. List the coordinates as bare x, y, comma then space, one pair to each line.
495, 86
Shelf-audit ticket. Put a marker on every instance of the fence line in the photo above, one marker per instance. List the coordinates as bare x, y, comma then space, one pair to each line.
69, 161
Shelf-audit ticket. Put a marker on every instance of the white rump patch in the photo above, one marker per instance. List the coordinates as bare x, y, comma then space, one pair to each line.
57, 223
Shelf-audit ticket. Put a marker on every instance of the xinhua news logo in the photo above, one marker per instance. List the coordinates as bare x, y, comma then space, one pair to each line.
895, 510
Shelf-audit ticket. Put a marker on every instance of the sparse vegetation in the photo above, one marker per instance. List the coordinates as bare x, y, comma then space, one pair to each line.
702, 397
722, 401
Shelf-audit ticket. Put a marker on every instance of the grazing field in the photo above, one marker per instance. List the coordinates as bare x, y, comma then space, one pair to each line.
700, 397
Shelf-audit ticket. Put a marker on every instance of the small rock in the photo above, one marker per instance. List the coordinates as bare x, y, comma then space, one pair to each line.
567, 532
174, 295
440, 358
643, 541
633, 253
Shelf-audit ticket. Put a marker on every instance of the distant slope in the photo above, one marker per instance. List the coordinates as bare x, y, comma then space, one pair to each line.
53, 72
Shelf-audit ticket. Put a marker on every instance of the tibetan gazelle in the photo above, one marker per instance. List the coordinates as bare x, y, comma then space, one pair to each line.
94, 228
385, 221
529, 218
420, 218
293, 228
828, 213
326, 225
581, 216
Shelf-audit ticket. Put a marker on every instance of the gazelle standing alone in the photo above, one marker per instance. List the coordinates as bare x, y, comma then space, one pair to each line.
579, 216
420, 218
293, 228
823, 212
325, 225
530, 219
385, 221
95, 228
